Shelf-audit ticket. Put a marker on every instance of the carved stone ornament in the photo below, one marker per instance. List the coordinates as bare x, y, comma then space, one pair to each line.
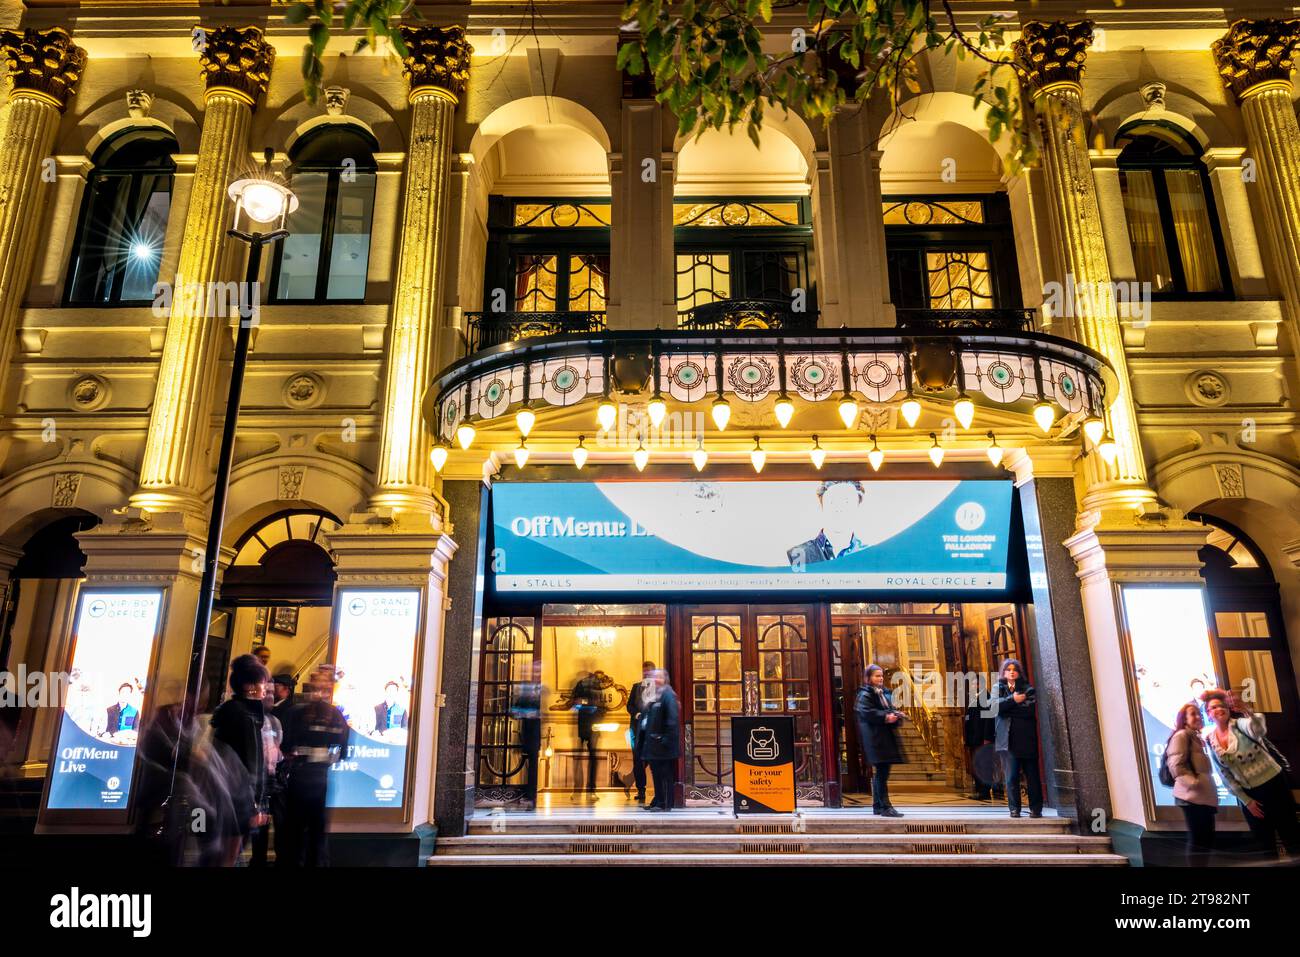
1256, 51
1231, 482
436, 57
139, 103
88, 392
291, 477
235, 58
66, 485
304, 390
1153, 95
1048, 53
1207, 388
43, 63
336, 100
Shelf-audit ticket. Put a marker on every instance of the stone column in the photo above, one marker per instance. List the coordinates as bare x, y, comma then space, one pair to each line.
1050, 59
237, 66
1232, 203
437, 69
642, 266
43, 67
1255, 59
1114, 219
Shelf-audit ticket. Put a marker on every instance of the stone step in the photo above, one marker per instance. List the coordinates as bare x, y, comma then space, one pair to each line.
771, 860
849, 821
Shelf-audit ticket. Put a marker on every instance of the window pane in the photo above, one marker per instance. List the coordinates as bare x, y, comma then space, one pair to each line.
350, 252
561, 215
1192, 230
146, 241
1241, 624
701, 278
588, 275
1251, 676
958, 280
770, 275
1150, 259
736, 214
102, 240
300, 254
948, 212
535, 283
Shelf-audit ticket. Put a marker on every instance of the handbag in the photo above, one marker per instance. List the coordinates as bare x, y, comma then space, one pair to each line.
1269, 747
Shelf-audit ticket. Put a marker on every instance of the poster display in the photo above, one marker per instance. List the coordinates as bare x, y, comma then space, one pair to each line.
762, 759
94, 754
804, 536
374, 662
1173, 665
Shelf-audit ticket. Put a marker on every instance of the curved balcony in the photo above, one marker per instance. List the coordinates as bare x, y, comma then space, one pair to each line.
487, 329
949, 320
747, 315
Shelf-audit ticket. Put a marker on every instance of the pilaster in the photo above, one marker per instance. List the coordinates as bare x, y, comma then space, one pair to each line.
641, 234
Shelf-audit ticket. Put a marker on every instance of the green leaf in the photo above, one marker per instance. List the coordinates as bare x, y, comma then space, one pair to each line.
319, 35
297, 13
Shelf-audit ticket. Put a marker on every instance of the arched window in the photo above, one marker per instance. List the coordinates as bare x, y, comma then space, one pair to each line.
327, 253
123, 220
1177, 245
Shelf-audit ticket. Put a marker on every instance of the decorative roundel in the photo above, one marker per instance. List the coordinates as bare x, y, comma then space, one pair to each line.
1001, 374
1066, 384
688, 374
750, 378
877, 373
566, 379
495, 397
449, 413
813, 375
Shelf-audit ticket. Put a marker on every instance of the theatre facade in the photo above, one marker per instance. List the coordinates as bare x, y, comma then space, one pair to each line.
539, 385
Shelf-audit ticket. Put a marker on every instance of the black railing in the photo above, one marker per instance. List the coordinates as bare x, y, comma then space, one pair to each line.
945, 320
487, 329
742, 314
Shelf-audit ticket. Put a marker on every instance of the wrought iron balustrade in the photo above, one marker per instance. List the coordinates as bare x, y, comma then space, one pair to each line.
487, 329
945, 320
743, 314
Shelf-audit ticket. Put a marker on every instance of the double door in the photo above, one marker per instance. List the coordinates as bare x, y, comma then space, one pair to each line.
750, 660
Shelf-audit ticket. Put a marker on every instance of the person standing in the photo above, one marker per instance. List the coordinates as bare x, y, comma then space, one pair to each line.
1254, 771
1194, 789
661, 746
878, 722
586, 701
241, 724
1014, 705
527, 710
316, 738
636, 710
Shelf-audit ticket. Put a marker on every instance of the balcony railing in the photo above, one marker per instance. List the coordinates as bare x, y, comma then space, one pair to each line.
947, 320
487, 329
741, 314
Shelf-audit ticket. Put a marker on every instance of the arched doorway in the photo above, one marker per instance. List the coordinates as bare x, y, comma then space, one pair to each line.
276, 593
1248, 631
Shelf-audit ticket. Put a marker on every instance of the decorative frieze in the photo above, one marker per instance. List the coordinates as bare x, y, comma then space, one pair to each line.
291, 477
1232, 483
66, 486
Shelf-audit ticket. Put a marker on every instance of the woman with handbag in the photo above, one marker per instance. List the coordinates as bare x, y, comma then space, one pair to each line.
878, 722
1254, 770
1187, 768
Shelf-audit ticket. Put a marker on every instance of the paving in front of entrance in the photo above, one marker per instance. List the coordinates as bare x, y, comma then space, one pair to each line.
609, 831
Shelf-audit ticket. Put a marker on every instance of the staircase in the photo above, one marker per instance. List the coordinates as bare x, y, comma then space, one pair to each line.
921, 772
818, 838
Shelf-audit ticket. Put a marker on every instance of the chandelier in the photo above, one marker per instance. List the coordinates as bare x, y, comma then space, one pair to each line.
593, 640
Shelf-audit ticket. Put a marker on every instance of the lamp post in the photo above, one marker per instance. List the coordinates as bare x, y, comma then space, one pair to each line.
261, 200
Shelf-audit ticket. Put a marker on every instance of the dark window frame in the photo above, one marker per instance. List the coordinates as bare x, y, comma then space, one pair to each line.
506, 242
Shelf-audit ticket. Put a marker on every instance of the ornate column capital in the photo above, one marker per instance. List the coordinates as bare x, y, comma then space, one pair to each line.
1255, 55
1050, 54
436, 61
235, 60
42, 64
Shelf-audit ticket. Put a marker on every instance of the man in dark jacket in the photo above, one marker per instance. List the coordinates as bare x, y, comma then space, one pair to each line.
586, 700
978, 732
636, 709
662, 743
240, 724
315, 739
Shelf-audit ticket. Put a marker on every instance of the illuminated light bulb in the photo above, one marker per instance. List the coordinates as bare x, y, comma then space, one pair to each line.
721, 413
465, 436
142, 251
1044, 415
641, 457
1094, 428
817, 454
994, 451
1108, 449
964, 409
757, 455
911, 410
657, 410
848, 412
521, 454
784, 411
438, 456
580, 453
700, 457
264, 202
607, 415
525, 419
876, 457
936, 453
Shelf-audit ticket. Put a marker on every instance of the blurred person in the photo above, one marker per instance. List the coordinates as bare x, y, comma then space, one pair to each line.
661, 745
1014, 704
636, 710
978, 733
586, 701
282, 694
1194, 790
316, 738
242, 724
263, 655
1254, 771
878, 722
527, 710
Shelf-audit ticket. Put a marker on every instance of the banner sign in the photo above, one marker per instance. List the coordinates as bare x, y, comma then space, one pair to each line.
747, 536
373, 667
94, 757
762, 758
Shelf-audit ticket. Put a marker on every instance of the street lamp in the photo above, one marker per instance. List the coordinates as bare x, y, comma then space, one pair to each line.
262, 200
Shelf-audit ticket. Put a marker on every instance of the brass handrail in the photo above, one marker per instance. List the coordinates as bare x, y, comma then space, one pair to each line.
929, 724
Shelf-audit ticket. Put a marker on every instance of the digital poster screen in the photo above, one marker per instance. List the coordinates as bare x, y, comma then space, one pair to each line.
1172, 664
803, 536
94, 757
374, 662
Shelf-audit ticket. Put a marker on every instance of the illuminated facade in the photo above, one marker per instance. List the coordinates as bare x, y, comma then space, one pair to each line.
506, 224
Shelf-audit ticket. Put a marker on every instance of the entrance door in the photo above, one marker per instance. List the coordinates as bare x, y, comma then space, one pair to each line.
749, 660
